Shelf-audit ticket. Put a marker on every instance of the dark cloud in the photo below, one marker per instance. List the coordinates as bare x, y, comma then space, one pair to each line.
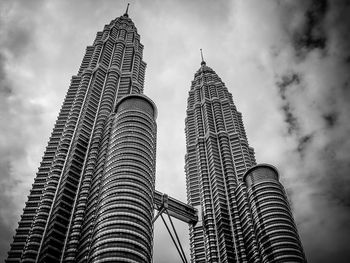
285, 82
290, 118
338, 26
316, 111
303, 143
5, 88
312, 33
330, 119
318, 24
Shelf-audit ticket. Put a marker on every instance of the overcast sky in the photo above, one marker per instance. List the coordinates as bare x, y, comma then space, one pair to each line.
286, 64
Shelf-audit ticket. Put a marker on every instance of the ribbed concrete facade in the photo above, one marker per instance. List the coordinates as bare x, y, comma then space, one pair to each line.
218, 155
64, 218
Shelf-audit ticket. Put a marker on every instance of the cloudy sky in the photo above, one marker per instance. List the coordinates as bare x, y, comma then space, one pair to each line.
285, 62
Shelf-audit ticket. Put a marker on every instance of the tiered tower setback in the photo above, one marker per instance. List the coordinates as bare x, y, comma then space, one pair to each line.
231, 227
64, 197
94, 196
217, 155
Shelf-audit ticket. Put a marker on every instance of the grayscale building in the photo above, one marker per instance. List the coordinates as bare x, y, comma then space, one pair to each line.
99, 163
244, 214
93, 197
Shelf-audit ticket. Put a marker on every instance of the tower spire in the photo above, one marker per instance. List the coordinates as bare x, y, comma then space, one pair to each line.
126, 11
203, 62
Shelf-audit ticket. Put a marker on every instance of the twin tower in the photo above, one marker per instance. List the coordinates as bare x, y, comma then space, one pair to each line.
94, 196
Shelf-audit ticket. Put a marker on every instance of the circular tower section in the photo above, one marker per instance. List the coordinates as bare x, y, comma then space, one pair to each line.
274, 225
123, 229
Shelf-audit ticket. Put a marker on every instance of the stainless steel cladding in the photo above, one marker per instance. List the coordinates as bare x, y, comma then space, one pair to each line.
123, 229
274, 225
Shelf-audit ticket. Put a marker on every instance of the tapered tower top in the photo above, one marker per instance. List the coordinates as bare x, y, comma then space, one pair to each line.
126, 11
204, 67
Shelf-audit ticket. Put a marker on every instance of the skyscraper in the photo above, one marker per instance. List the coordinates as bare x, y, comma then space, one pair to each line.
93, 197
244, 212
99, 163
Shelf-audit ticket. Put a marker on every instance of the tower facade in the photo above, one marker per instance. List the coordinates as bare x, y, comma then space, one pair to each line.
92, 198
231, 226
276, 233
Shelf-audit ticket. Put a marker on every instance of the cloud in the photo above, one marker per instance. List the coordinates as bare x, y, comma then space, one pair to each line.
285, 62
285, 82
312, 32
316, 112
16, 113
330, 119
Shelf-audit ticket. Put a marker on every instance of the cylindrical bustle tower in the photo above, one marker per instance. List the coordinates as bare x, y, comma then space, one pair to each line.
274, 225
123, 229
